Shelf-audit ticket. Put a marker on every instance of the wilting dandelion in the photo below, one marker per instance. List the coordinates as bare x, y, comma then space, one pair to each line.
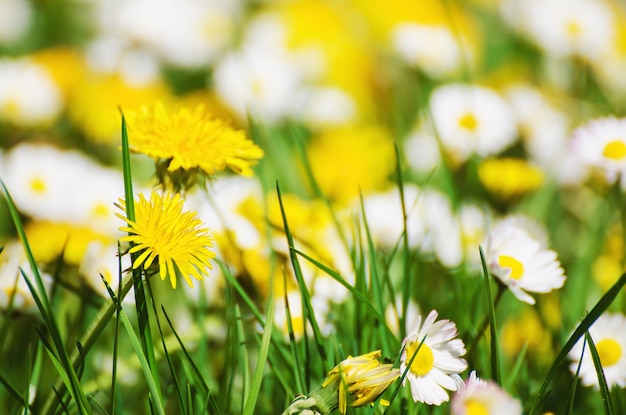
433, 358
162, 232
355, 381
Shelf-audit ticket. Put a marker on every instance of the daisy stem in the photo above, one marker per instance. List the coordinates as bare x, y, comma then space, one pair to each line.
485, 322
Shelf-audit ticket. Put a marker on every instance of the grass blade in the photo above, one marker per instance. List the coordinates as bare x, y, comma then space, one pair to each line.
591, 317
257, 377
604, 388
494, 355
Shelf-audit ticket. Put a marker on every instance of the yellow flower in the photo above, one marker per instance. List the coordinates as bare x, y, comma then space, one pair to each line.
347, 160
162, 231
190, 138
507, 179
360, 379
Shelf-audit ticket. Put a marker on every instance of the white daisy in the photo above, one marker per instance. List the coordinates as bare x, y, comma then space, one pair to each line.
13, 287
476, 396
187, 33
521, 261
471, 120
582, 28
15, 19
601, 143
438, 361
422, 151
43, 180
609, 336
28, 94
103, 260
432, 48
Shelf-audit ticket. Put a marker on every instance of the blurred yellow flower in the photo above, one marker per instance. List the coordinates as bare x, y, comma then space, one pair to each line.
190, 138
351, 159
507, 179
526, 329
94, 106
49, 240
162, 231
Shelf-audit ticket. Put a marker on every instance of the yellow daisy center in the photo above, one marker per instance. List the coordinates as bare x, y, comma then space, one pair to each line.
473, 407
517, 268
423, 362
609, 351
100, 210
468, 122
573, 29
37, 185
615, 150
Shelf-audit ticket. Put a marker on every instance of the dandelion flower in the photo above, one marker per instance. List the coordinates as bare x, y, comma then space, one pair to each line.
609, 336
601, 143
507, 179
190, 138
356, 381
477, 396
435, 359
519, 259
162, 232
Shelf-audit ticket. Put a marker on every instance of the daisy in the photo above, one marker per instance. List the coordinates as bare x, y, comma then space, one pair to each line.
470, 120
28, 94
601, 143
190, 138
609, 336
476, 396
519, 259
432, 48
15, 19
44, 181
161, 231
435, 357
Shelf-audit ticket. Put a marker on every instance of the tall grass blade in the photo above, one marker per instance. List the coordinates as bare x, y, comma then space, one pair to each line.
494, 354
591, 317
257, 377
604, 388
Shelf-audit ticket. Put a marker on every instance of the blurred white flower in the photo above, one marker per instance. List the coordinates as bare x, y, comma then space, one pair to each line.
42, 180
521, 261
476, 396
422, 151
222, 210
474, 224
15, 19
258, 81
188, 33
28, 94
471, 119
298, 320
102, 260
321, 107
562, 28
601, 143
435, 357
14, 290
432, 48
431, 224
545, 132
608, 333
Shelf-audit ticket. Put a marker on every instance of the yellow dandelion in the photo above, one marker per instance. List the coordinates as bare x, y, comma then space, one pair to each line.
356, 381
190, 138
361, 379
161, 231
507, 179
